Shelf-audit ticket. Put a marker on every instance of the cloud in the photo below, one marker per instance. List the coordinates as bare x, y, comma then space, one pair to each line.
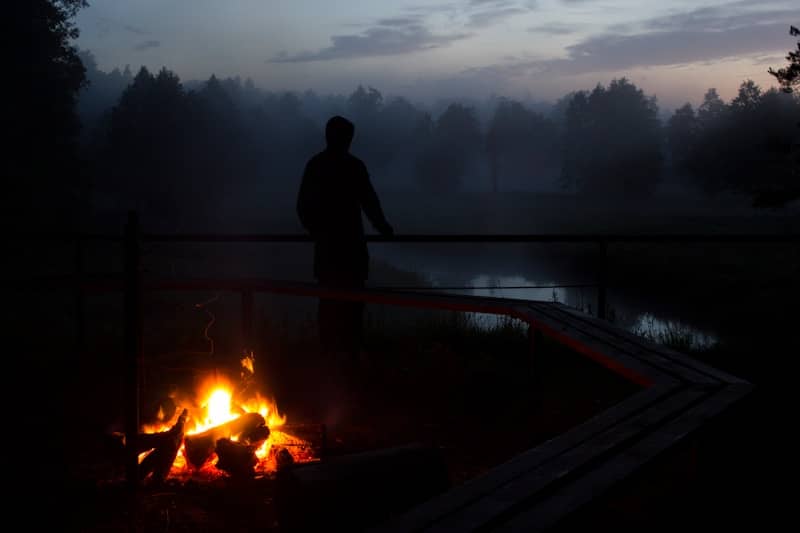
554, 28
134, 29
107, 24
483, 19
408, 33
401, 35
399, 21
702, 35
722, 18
490, 12
146, 45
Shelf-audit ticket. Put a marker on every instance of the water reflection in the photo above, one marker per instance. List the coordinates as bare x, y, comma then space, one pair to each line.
517, 287
645, 323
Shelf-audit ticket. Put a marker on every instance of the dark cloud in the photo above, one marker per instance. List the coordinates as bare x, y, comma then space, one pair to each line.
399, 21
135, 30
107, 24
701, 35
146, 45
483, 19
377, 41
616, 52
720, 18
492, 11
555, 28
409, 33
490, 2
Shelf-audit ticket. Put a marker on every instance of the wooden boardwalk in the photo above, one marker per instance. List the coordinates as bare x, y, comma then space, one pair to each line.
539, 487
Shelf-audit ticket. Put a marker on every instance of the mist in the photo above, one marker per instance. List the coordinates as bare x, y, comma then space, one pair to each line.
636, 171
224, 149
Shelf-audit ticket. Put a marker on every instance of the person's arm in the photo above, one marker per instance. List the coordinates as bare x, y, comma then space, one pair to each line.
372, 206
305, 202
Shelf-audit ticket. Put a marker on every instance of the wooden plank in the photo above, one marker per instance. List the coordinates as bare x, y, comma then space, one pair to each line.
454, 302
614, 336
606, 333
514, 495
678, 357
463, 495
547, 512
643, 372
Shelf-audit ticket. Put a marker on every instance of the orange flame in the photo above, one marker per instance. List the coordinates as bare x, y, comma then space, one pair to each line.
219, 404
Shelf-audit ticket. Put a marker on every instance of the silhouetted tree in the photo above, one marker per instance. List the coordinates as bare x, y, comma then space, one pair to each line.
712, 108
149, 156
364, 108
364, 104
102, 90
682, 129
612, 141
279, 137
744, 147
49, 187
789, 76
405, 131
520, 137
455, 139
748, 98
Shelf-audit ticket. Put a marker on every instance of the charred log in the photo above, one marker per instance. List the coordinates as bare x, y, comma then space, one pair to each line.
157, 463
236, 458
255, 436
283, 460
200, 447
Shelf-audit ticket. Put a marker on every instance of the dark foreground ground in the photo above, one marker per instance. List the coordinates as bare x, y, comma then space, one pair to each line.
463, 398
444, 385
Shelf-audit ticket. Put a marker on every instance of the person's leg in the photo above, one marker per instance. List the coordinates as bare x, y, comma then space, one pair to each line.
357, 329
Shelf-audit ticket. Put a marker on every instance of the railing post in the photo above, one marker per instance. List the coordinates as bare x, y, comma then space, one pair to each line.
133, 345
80, 308
247, 320
534, 361
602, 279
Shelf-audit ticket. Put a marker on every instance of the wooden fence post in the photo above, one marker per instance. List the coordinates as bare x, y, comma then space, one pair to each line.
602, 280
80, 307
133, 345
535, 348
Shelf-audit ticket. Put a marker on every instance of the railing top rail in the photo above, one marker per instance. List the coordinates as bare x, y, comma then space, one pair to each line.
737, 238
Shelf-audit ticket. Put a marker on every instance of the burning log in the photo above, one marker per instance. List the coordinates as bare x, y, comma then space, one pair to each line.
283, 460
166, 445
236, 458
255, 436
248, 428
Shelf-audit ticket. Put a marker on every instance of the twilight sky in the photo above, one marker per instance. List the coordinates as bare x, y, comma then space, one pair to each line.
426, 49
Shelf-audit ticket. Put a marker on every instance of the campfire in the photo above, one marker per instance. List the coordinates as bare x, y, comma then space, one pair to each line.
224, 429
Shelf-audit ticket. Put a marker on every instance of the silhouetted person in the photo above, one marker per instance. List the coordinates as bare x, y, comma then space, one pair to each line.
335, 189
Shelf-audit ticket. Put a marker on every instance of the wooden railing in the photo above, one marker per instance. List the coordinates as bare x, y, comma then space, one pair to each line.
673, 380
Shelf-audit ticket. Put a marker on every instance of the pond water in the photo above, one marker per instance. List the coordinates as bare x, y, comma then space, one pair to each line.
646, 323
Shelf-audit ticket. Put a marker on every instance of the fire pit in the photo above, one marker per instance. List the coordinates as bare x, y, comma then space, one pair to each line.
224, 429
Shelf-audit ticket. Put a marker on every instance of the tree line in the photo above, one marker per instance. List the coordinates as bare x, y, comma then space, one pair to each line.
150, 141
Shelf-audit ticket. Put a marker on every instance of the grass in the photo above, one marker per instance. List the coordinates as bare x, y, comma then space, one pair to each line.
673, 334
